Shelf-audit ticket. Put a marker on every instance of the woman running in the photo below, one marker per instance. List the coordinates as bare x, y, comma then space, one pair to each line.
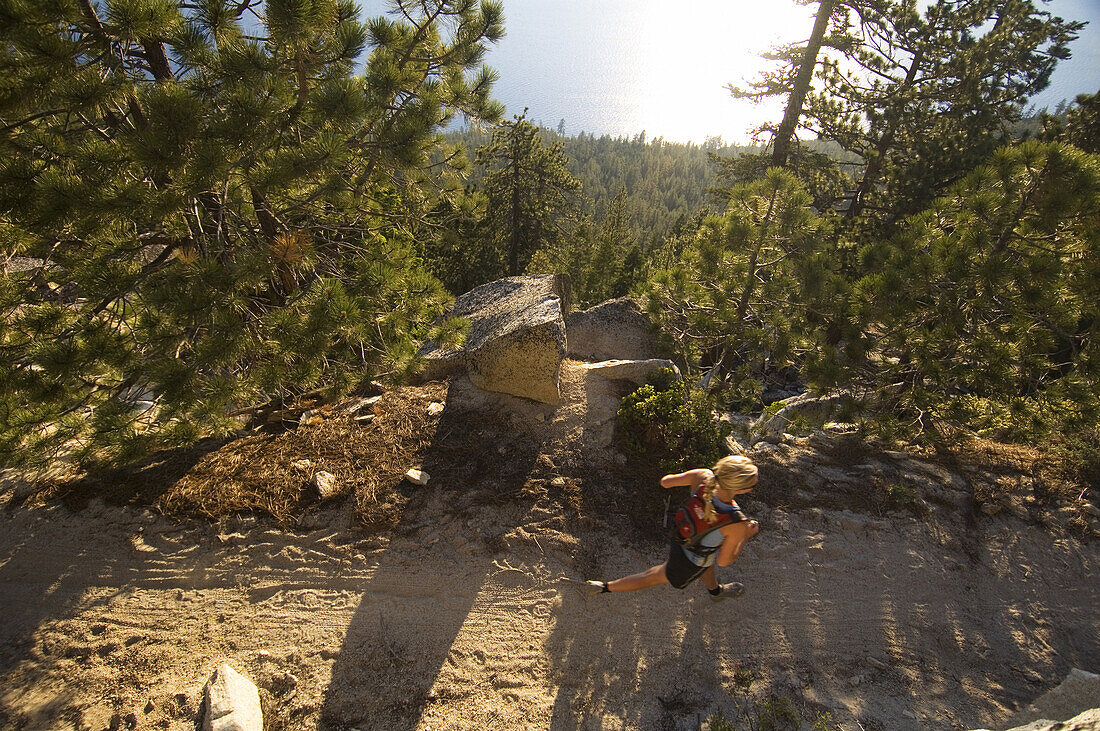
711, 529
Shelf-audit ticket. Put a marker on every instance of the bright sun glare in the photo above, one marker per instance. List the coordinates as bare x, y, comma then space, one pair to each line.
695, 53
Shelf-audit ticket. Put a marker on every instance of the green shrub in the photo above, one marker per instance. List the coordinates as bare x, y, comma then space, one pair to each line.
718, 722
900, 495
778, 714
672, 422
743, 677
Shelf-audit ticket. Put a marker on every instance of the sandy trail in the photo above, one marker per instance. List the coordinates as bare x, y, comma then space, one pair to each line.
115, 619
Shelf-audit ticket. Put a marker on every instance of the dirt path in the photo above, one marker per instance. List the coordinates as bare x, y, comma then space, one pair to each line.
116, 618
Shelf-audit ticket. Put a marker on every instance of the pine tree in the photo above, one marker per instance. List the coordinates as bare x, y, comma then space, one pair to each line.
615, 261
457, 245
1078, 126
925, 97
988, 304
531, 193
750, 292
781, 142
208, 216
791, 79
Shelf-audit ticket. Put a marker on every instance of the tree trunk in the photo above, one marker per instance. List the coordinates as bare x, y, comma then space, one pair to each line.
750, 276
113, 61
513, 247
269, 225
157, 59
781, 144
885, 142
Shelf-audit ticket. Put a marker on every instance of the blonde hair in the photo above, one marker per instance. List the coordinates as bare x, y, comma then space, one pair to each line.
730, 473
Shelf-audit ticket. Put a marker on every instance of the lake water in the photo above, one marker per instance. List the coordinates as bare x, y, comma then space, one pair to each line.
619, 67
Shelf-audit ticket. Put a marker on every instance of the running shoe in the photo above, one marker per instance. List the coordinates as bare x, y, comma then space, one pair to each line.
729, 591
586, 588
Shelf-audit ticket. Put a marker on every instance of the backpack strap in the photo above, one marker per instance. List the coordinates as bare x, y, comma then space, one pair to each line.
691, 526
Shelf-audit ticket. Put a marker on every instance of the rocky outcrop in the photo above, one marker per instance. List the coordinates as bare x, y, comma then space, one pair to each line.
635, 371
1087, 721
813, 407
618, 328
232, 702
1074, 705
516, 340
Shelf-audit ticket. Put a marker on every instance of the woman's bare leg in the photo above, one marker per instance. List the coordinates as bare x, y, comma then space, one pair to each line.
654, 576
709, 579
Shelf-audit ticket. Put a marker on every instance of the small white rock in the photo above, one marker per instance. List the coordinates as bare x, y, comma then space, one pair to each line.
311, 417
362, 404
325, 484
138, 542
417, 477
435, 408
734, 447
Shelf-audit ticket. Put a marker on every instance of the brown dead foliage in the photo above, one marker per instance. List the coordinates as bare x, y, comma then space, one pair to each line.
369, 459
1050, 470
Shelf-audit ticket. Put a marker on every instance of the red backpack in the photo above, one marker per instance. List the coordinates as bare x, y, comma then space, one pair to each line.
690, 525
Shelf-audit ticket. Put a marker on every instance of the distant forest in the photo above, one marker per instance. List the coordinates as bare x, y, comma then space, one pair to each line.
212, 208
666, 183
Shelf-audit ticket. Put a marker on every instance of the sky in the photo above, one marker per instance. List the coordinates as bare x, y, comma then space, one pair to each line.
622, 66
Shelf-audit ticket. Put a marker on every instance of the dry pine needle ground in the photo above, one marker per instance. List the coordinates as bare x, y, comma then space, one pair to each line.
258, 472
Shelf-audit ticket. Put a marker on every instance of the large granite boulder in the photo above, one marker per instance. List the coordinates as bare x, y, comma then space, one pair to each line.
516, 340
1087, 721
810, 406
616, 329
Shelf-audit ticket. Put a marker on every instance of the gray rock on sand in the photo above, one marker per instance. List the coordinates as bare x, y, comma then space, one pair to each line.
1087, 721
1073, 705
808, 405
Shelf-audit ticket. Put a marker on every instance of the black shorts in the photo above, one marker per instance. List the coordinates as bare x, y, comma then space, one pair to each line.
679, 569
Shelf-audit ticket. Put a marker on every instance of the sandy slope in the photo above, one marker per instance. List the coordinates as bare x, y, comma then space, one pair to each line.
116, 618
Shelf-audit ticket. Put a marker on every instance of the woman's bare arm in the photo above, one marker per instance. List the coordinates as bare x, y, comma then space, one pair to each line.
690, 478
737, 535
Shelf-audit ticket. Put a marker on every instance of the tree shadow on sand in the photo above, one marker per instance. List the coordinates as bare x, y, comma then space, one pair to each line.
410, 614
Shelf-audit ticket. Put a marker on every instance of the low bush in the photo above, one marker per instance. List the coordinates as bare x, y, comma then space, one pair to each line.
672, 422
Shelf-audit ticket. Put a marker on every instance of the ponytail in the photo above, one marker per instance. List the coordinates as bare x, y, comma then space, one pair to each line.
709, 486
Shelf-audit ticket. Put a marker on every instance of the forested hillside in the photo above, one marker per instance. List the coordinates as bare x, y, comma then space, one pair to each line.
666, 183
212, 208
